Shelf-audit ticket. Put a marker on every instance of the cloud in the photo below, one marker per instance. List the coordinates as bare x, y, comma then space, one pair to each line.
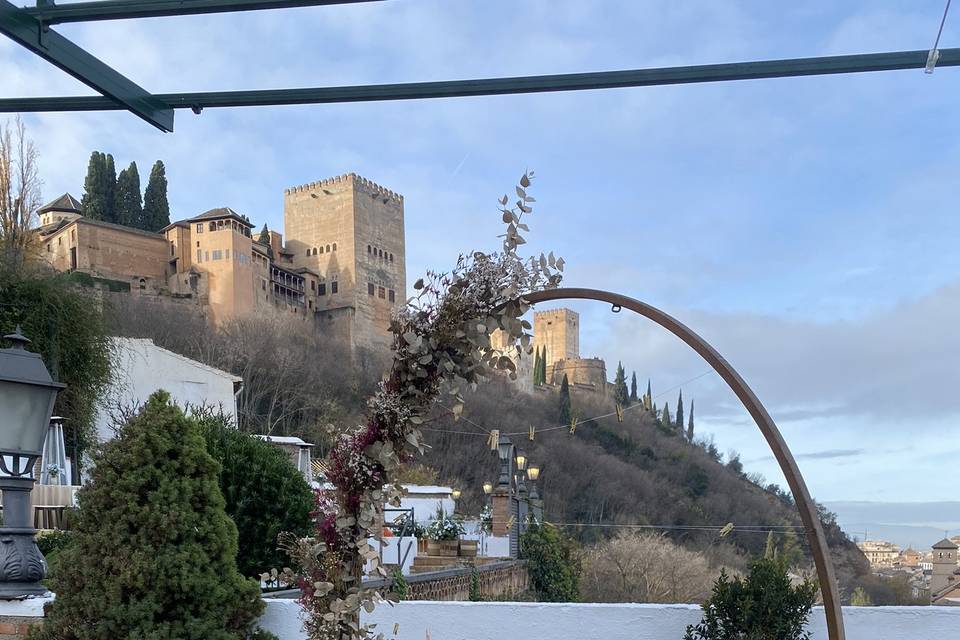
826, 454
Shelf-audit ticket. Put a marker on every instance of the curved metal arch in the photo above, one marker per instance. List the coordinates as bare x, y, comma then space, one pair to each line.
805, 505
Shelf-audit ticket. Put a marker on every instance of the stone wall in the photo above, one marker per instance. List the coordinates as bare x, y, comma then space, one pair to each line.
495, 580
557, 331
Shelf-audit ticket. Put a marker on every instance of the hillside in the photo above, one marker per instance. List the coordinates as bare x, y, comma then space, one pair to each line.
610, 473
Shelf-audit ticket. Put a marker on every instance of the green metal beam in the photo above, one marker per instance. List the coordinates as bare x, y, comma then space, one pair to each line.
499, 86
119, 92
125, 9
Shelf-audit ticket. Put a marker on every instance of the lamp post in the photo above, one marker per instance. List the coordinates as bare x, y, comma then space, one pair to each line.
536, 504
27, 394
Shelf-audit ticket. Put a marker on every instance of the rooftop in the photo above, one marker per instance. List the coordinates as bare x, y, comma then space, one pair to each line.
66, 202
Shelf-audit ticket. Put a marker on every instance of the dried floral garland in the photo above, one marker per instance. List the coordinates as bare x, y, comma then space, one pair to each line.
441, 345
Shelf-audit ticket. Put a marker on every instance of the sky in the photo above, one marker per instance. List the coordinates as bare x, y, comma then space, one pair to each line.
806, 227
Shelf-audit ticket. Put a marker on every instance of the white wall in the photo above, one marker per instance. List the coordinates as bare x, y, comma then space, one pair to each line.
529, 621
142, 368
424, 500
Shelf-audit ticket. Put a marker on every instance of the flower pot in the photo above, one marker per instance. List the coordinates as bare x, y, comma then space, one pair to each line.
445, 548
468, 548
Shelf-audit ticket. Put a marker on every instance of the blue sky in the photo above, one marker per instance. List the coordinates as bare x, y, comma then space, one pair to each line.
806, 226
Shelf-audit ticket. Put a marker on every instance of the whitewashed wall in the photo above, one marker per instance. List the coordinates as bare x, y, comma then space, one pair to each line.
424, 499
535, 621
143, 367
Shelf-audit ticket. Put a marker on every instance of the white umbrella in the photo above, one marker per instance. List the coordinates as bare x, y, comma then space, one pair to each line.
53, 463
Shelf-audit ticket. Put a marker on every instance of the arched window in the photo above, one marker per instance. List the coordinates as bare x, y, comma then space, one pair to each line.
369, 249
315, 250
213, 226
328, 248
334, 246
143, 284
391, 257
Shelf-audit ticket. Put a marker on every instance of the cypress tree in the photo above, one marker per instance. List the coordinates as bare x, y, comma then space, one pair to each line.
565, 406
129, 205
110, 188
648, 399
264, 237
94, 201
536, 369
620, 394
690, 424
633, 388
156, 209
680, 413
153, 551
543, 366
665, 417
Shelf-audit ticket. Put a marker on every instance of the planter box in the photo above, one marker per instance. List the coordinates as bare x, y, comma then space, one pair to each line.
445, 548
468, 548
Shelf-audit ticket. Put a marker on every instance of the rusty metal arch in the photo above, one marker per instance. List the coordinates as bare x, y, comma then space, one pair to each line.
805, 505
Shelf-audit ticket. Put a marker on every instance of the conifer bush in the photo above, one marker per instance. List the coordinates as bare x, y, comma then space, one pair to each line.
265, 494
153, 554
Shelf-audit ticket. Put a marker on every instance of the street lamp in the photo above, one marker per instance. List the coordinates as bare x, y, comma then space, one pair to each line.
504, 451
27, 394
488, 488
456, 494
521, 460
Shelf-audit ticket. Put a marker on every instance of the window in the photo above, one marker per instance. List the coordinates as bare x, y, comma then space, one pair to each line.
313, 285
198, 243
369, 288
393, 295
199, 227
308, 253
199, 255
73, 234
173, 249
213, 226
49, 248
328, 248
391, 257
217, 254
143, 284
333, 287
263, 285
60, 241
369, 249
206, 256
315, 251
381, 293
321, 289
334, 246
227, 255
310, 304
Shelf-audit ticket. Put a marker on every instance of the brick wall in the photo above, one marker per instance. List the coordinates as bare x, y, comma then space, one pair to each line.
16, 627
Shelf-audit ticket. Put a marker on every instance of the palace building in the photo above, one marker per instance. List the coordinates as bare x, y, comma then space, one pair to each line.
342, 265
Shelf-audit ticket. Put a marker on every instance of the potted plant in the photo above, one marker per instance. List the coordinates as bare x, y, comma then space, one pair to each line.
444, 534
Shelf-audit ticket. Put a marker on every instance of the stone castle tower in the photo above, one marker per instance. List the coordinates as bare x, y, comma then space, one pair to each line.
350, 230
557, 331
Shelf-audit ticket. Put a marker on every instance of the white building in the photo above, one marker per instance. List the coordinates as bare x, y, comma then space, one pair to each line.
142, 368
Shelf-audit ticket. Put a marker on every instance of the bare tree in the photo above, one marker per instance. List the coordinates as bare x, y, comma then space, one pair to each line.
19, 194
645, 567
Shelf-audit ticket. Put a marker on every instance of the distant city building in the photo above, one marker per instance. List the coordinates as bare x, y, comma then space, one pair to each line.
879, 553
945, 578
910, 558
343, 265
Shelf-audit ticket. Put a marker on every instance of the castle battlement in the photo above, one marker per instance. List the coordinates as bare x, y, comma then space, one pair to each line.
369, 185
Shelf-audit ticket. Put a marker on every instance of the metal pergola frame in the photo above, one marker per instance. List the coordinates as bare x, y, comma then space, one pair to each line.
30, 27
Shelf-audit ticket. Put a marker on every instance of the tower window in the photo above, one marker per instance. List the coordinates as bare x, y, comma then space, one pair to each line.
369, 288
143, 284
334, 246
381, 293
328, 248
333, 287
391, 257
369, 249
393, 295
321, 289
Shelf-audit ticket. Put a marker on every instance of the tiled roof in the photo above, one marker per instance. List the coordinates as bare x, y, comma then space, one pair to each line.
221, 212
66, 202
945, 544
